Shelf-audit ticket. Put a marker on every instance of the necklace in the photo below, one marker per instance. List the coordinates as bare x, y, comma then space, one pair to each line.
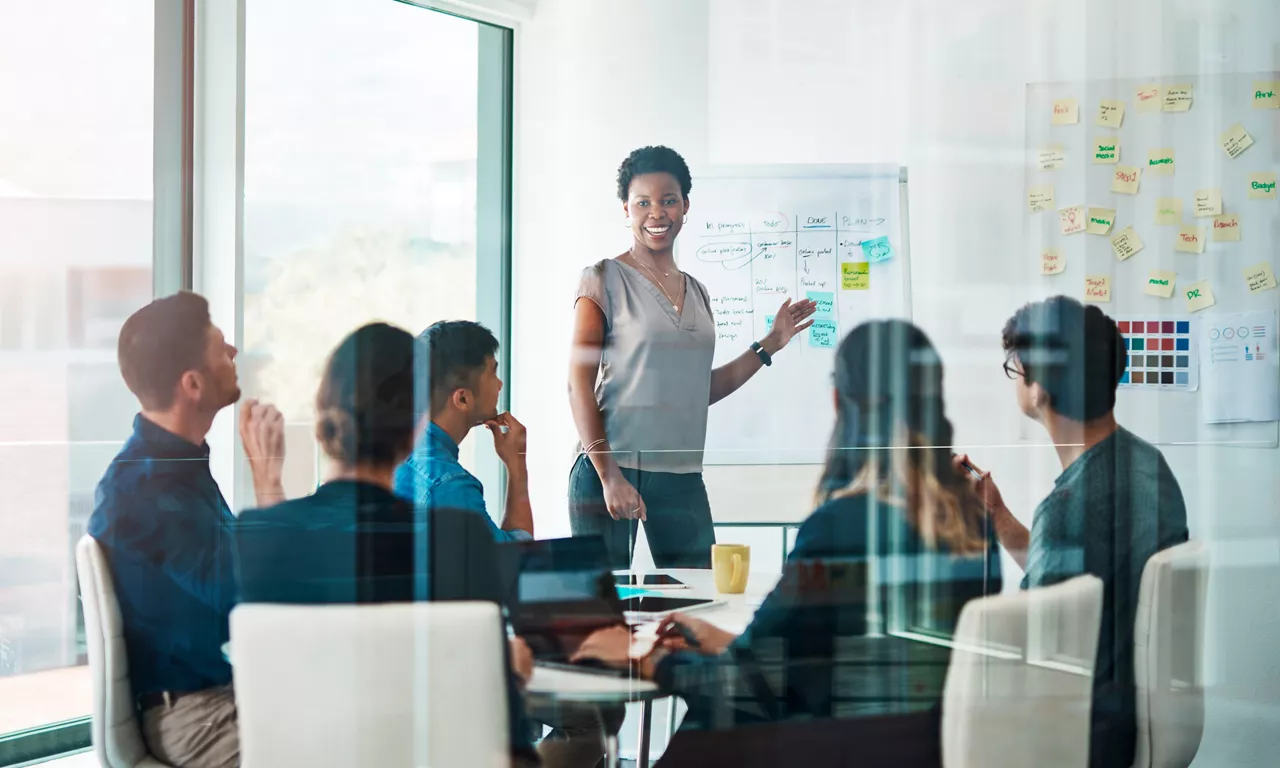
661, 287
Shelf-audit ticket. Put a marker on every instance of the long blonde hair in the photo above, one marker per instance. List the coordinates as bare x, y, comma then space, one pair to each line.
892, 440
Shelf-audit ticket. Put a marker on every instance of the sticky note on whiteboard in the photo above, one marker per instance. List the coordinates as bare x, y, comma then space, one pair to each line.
1110, 113
822, 334
1177, 98
1266, 95
1040, 198
1100, 220
1161, 161
1148, 98
1259, 278
1235, 141
1190, 240
826, 302
1126, 179
768, 323
1066, 112
1262, 186
1169, 211
855, 276
877, 250
1226, 228
1199, 296
1160, 283
1051, 262
1208, 202
1106, 151
1051, 158
1097, 289
1073, 219
1126, 243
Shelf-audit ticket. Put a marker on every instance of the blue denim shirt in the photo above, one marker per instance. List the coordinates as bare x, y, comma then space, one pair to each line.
433, 479
167, 534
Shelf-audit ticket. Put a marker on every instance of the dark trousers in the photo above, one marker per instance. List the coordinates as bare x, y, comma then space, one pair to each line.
679, 516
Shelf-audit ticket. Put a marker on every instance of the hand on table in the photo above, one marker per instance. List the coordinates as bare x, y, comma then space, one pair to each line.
712, 640
610, 646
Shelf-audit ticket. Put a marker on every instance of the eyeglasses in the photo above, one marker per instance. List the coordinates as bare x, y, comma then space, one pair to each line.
1011, 370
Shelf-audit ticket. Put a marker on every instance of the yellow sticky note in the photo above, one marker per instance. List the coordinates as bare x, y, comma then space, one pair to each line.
1199, 296
1208, 202
1106, 151
1110, 113
1259, 278
1097, 289
1040, 198
1100, 220
1066, 112
1126, 179
1169, 211
1160, 161
1074, 219
1190, 240
1266, 95
1160, 283
1051, 262
1126, 243
1235, 141
1147, 98
1226, 228
1177, 98
1262, 186
1051, 158
855, 276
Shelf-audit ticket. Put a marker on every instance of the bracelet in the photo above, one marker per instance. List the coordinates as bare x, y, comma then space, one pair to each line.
592, 446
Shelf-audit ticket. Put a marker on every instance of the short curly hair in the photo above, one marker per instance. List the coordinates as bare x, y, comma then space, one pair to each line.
653, 160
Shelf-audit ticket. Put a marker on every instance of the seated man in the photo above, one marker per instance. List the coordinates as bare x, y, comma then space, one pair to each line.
1115, 504
462, 393
166, 529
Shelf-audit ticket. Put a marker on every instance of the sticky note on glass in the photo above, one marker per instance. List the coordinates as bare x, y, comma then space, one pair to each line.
1051, 158
1189, 240
1051, 262
1066, 112
768, 323
1259, 278
1126, 179
1040, 198
1208, 202
1073, 219
1160, 283
1235, 141
1199, 296
877, 250
1110, 113
1169, 211
822, 334
826, 302
1097, 289
1101, 220
1266, 95
855, 276
1126, 243
1226, 228
1106, 151
1177, 98
1262, 186
1147, 98
1160, 161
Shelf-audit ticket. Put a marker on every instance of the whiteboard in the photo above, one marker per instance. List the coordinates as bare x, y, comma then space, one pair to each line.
757, 236
1220, 101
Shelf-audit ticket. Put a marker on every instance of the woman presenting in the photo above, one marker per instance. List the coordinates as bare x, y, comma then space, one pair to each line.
641, 381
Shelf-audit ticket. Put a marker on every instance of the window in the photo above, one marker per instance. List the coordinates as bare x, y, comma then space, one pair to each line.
77, 79
364, 172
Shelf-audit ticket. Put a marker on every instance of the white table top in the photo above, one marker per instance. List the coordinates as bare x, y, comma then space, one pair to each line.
733, 616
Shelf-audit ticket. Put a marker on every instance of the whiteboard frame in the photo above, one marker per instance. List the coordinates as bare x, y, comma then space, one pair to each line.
826, 172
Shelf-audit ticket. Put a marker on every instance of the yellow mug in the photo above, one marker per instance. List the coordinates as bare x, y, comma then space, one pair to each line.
730, 564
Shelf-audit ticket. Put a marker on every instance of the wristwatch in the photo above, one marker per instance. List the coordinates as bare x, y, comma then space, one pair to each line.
765, 357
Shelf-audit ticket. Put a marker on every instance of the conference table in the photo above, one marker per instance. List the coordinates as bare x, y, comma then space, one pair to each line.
732, 615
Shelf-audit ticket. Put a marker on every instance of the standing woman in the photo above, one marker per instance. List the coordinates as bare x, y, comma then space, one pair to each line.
640, 379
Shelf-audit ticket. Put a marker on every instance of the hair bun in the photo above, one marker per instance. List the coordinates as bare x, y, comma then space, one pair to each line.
336, 431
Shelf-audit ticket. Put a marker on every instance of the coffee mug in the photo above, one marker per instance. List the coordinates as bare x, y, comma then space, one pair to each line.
730, 564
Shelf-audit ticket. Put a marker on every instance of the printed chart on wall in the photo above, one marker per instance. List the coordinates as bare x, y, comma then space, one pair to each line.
1162, 353
1241, 368
757, 237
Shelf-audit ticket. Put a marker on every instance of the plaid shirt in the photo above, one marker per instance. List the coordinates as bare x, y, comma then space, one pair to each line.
167, 534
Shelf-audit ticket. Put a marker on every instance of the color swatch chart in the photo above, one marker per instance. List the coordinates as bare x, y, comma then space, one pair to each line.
1162, 353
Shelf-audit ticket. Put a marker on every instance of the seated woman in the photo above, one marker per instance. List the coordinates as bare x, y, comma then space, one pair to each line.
353, 540
897, 546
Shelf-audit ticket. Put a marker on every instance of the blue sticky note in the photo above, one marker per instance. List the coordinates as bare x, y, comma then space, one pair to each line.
877, 250
826, 302
822, 334
768, 323
625, 592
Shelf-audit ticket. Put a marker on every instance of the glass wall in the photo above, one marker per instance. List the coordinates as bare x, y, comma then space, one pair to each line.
76, 157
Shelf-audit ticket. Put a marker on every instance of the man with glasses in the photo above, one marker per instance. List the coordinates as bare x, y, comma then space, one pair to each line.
1115, 504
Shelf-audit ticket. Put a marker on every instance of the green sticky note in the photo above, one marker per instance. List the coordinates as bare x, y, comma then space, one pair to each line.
822, 334
877, 250
855, 276
826, 302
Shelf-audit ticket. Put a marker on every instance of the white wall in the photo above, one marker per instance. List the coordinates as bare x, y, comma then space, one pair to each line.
939, 86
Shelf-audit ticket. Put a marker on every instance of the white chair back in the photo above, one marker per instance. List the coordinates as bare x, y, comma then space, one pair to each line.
393, 685
1168, 640
117, 742
1020, 686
